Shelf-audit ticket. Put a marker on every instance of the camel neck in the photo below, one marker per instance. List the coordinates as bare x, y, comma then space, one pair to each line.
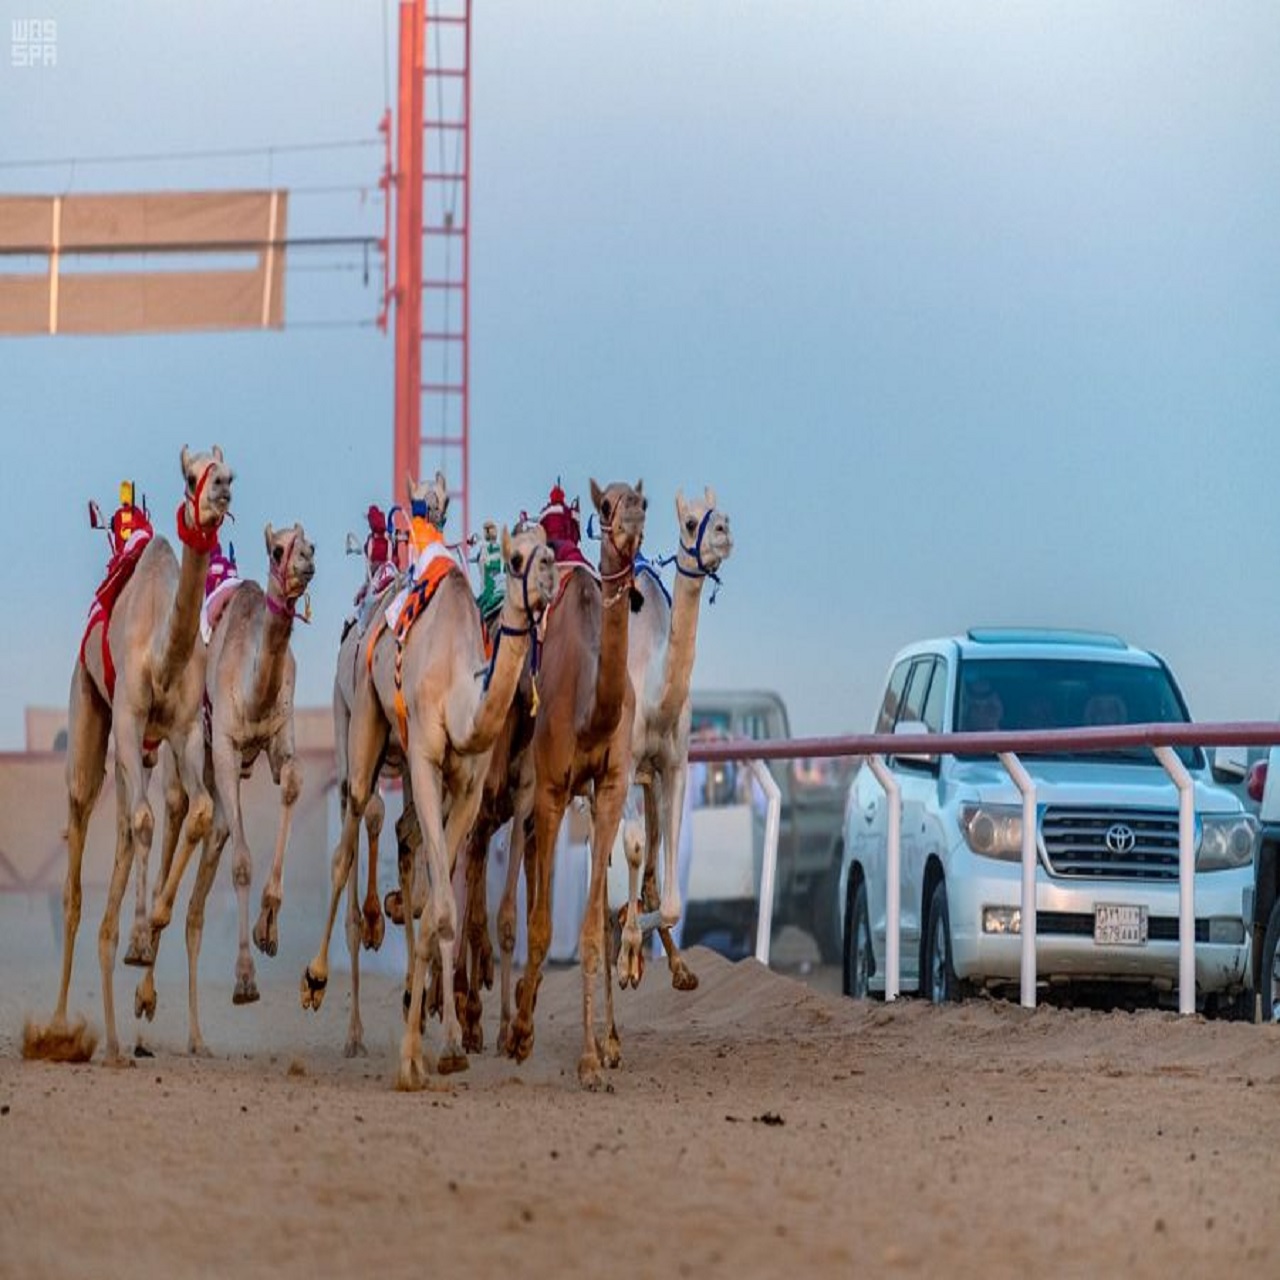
273, 648
612, 678
184, 619
504, 678
682, 644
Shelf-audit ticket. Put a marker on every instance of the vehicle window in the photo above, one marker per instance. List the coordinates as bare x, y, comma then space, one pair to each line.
935, 702
892, 698
1052, 693
755, 724
917, 690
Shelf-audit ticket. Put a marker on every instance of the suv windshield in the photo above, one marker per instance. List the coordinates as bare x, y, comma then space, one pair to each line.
1058, 693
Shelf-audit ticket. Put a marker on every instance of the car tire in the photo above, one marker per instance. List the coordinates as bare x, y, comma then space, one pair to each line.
938, 981
858, 960
1268, 979
824, 912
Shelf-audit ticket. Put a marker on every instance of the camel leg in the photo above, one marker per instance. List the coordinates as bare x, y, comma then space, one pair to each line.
520, 852
670, 800
189, 756
135, 776
368, 738
607, 811
355, 1027
373, 926
439, 927
631, 949
226, 775
175, 813
205, 874
475, 957
266, 936
89, 728
548, 812
109, 932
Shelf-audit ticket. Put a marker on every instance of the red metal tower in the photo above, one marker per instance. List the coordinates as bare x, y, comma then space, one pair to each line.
433, 246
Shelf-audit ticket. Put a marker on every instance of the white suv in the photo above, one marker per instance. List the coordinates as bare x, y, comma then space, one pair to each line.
1107, 829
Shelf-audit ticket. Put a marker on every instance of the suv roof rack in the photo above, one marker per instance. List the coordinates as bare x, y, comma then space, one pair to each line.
1045, 635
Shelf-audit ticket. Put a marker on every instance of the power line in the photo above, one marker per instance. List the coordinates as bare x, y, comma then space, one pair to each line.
212, 153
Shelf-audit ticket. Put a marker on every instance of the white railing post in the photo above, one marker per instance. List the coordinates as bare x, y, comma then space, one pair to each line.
769, 867
893, 878
1174, 767
1026, 785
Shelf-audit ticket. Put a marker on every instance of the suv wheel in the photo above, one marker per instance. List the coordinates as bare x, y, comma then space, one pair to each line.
824, 911
940, 982
857, 948
1269, 979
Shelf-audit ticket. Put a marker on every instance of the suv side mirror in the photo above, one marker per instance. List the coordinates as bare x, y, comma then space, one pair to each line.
915, 728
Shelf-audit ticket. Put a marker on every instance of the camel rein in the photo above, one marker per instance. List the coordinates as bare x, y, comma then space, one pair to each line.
534, 617
198, 537
702, 571
284, 607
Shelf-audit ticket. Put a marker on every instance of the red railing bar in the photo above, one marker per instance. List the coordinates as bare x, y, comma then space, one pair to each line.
1246, 733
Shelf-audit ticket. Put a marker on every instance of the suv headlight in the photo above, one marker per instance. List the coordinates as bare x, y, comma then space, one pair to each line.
993, 830
1226, 840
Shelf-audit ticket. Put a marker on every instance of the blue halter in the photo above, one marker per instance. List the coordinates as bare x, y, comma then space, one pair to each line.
696, 552
531, 630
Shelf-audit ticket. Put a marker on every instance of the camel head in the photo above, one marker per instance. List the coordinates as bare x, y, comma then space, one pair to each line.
621, 509
531, 574
705, 541
429, 499
292, 561
207, 496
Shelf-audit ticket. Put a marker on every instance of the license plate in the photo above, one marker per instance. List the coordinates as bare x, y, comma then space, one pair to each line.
1115, 925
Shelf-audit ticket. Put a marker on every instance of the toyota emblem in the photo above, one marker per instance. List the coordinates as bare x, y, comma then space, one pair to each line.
1120, 838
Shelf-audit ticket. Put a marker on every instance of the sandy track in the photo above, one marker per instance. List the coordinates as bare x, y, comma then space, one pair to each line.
756, 1127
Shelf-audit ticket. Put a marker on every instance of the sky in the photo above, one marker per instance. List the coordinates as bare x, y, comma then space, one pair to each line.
966, 311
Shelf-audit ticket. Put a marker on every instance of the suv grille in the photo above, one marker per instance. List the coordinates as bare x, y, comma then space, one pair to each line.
1076, 845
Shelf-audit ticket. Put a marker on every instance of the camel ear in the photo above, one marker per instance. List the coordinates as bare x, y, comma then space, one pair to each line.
408, 479
640, 486
186, 461
270, 535
597, 494
539, 533
709, 495
442, 484
680, 506
506, 545
217, 452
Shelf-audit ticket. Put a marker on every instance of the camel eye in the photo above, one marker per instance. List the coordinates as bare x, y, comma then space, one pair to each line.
606, 508
277, 554
644, 504
191, 482
517, 562
690, 524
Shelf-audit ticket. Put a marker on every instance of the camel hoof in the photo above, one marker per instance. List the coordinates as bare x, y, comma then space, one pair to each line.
246, 991
373, 927
312, 990
520, 1041
266, 934
412, 1077
683, 978
140, 1050
473, 1038
452, 1061
142, 951
198, 1049
612, 1052
630, 960
393, 906
354, 1049
589, 1076
115, 1059
486, 968
144, 1003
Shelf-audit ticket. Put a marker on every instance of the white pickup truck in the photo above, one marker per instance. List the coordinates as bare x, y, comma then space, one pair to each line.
726, 827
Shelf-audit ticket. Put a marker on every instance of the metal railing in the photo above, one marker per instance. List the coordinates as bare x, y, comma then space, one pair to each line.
1006, 746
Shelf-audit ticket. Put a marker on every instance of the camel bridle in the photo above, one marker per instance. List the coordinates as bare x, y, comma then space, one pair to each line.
198, 537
